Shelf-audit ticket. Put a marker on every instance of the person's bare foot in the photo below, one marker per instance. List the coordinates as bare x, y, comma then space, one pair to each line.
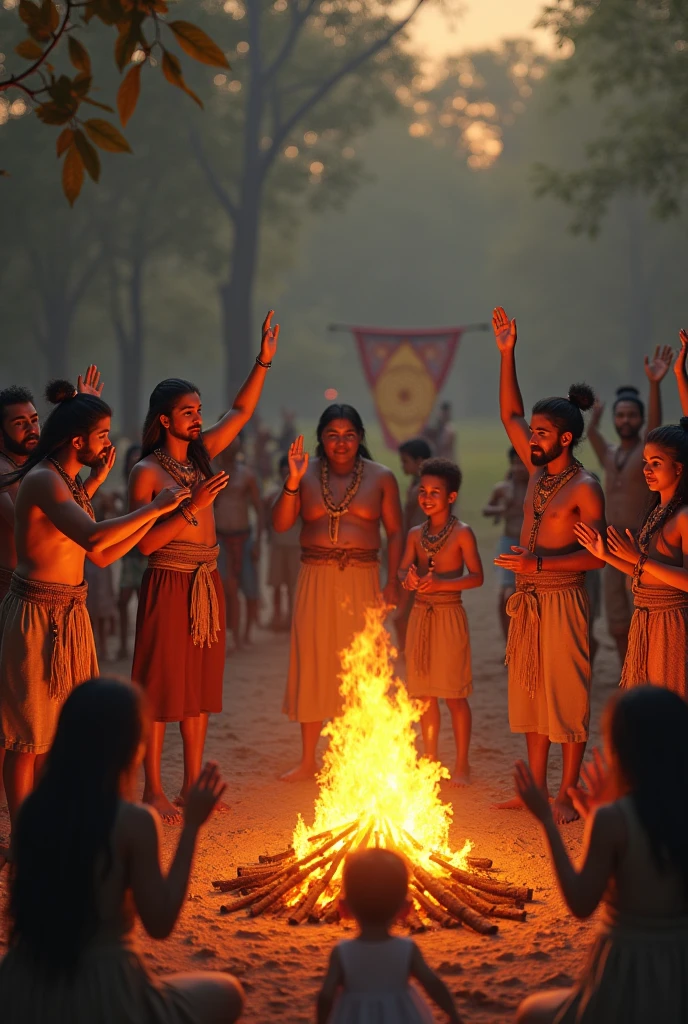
461, 777
180, 801
300, 773
563, 811
170, 814
515, 804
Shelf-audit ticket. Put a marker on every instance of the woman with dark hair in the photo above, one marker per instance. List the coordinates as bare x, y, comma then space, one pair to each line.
635, 861
657, 561
343, 498
86, 861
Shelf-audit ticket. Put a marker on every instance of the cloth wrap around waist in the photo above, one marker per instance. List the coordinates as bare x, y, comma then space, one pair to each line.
648, 601
426, 603
5, 580
342, 557
70, 629
523, 643
201, 560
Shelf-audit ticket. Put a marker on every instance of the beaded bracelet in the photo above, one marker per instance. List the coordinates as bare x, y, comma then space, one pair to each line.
288, 490
266, 366
188, 514
638, 568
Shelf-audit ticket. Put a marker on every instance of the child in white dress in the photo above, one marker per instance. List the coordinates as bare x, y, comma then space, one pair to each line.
367, 979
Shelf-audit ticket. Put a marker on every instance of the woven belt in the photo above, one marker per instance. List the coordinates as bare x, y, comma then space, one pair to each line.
343, 557
201, 560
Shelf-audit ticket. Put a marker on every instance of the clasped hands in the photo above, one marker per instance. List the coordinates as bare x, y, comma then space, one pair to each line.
621, 545
423, 584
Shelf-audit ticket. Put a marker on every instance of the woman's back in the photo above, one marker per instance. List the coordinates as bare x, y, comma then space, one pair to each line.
114, 899
640, 888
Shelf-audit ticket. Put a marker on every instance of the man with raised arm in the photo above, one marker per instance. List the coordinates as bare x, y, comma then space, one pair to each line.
343, 498
179, 655
548, 644
46, 641
625, 490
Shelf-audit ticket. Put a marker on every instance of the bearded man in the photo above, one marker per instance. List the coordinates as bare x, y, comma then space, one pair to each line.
625, 490
179, 655
343, 498
46, 640
548, 650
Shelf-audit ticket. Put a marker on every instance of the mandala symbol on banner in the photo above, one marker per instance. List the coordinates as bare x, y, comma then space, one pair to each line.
405, 393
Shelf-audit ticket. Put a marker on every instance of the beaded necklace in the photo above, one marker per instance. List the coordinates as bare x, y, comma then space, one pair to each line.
433, 543
185, 474
76, 487
546, 486
335, 512
653, 523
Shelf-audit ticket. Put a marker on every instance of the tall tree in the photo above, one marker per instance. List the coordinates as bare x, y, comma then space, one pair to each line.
326, 66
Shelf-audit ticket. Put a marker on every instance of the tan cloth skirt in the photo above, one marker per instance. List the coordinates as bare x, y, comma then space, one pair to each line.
438, 649
329, 607
658, 640
637, 973
46, 649
548, 657
111, 986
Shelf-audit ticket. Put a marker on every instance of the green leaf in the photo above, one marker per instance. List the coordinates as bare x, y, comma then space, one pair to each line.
197, 44
172, 70
72, 174
78, 55
89, 156
29, 50
128, 93
106, 136
51, 113
64, 141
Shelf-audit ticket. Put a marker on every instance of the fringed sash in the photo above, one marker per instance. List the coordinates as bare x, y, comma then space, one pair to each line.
343, 557
70, 627
648, 600
201, 560
523, 643
427, 603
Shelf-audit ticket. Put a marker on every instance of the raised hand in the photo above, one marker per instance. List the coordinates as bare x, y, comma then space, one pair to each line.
590, 539
504, 330
596, 786
204, 795
623, 545
298, 462
206, 491
680, 364
268, 344
90, 383
530, 793
169, 498
596, 414
657, 368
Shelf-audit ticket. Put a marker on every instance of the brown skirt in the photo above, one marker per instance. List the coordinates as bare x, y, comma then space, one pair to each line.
111, 986
181, 679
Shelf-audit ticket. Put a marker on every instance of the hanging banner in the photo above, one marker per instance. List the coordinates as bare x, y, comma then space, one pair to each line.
405, 371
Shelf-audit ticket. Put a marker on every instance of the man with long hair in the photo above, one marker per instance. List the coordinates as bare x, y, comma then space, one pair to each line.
548, 651
343, 498
625, 489
179, 654
46, 640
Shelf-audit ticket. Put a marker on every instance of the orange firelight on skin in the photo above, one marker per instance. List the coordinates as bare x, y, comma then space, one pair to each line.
372, 773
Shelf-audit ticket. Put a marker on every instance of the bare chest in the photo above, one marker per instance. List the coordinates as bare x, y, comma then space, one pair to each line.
447, 561
366, 503
549, 522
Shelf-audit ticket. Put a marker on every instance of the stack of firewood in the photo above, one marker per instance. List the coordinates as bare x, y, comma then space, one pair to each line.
309, 889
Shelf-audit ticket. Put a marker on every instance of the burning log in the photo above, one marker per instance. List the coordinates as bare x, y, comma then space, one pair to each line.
433, 910
318, 888
414, 922
481, 863
266, 858
517, 893
246, 901
452, 903
286, 886
256, 869
507, 912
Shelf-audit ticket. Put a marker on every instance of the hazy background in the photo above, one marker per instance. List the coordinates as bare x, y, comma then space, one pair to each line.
424, 216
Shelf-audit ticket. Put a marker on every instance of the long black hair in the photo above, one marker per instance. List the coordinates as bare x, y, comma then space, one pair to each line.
647, 728
74, 415
673, 439
162, 401
342, 412
63, 830
567, 413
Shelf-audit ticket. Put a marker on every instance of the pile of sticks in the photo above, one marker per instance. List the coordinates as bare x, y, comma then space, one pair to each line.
309, 889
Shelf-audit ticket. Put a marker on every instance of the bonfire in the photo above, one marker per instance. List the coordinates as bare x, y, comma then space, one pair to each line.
376, 791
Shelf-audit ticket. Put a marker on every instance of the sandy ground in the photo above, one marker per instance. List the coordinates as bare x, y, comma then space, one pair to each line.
280, 966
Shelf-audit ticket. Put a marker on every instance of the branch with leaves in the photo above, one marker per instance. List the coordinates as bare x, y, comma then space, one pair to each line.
57, 99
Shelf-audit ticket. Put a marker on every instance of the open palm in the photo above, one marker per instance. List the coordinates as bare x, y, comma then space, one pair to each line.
298, 459
504, 330
270, 336
658, 367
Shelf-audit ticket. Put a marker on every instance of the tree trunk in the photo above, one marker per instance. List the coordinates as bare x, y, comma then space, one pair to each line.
236, 295
131, 355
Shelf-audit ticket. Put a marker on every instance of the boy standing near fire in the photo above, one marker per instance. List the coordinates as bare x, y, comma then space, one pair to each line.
440, 561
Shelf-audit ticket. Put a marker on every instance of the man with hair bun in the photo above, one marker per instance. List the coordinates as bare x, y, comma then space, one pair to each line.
548, 644
46, 640
625, 489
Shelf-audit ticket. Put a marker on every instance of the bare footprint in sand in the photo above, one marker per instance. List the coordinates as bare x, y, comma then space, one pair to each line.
169, 814
301, 773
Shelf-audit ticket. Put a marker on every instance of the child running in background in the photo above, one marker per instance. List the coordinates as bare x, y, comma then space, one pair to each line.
635, 859
371, 973
86, 860
440, 561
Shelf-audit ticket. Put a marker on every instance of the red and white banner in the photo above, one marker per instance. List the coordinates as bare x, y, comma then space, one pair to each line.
405, 371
